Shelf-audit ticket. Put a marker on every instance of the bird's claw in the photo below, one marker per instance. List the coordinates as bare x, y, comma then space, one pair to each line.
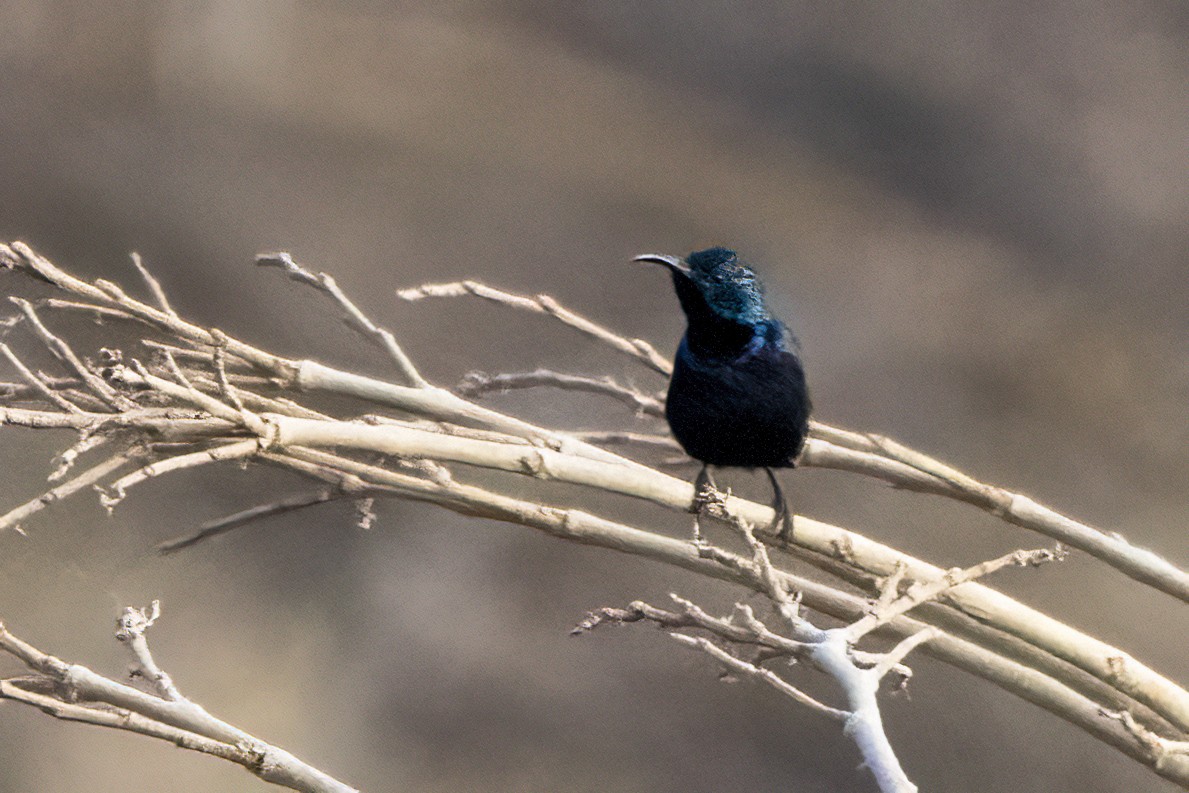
706, 499
782, 521
782, 524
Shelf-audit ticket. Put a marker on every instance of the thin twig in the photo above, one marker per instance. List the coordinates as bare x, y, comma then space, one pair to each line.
766, 676
89, 440
544, 304
1160, 748
13, 518
153, 284
130, 629
355, 317
37, 383
29, 391
259, 512
66, 355
235, 450
72, 691
615, 437
121, 719
479, 383
100, 313
891, 604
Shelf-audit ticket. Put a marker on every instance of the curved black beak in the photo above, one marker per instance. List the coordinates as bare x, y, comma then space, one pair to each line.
674, 263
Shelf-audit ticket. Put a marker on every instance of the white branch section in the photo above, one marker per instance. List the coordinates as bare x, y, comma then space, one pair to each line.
864, 725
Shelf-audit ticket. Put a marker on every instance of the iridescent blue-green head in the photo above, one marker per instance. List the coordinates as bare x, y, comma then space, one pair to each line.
715, 285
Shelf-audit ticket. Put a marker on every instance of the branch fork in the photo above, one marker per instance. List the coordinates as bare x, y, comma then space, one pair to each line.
203, 396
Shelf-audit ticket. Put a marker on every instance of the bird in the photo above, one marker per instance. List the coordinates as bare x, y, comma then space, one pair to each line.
737, 396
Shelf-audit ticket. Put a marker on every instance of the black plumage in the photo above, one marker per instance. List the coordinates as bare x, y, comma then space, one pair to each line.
737, 396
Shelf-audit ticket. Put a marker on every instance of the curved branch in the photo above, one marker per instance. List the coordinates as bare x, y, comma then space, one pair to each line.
446, 427
884, 459
74, 692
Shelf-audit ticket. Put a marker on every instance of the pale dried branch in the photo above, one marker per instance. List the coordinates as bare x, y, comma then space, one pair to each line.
74, 692
38, 383
62, 351
479, 384
828, 650
544, 304
130, 629
442, 427
98, 313
166, 423
153, 284
27, 391
88, 441
12, 519
615, 437
833, 652
882, 458
766, 676
122, 719
1162, 750
355, 317
892, 603
235, 450
888, 662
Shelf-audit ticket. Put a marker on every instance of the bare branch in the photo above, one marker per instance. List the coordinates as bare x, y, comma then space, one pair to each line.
130, 629
74, 692
1162, 750
88, 440
890, 661
29, 391
243, 517
891, 604
153, 284
38, 383
478, 384
121, 719
911, 470
219, 404
614, 437
13, 518
236, 450
63, 353
765, 676
355, 317
99, 313
543, 304
828, 650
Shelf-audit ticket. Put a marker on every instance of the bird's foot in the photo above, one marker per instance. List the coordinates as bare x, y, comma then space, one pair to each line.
707, 500
782, 522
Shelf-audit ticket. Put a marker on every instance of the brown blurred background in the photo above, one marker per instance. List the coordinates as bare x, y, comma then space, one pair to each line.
975, 218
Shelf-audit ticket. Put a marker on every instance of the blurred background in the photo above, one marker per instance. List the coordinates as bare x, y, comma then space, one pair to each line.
974, 216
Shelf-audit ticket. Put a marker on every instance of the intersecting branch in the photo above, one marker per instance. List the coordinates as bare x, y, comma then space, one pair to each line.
193, 396
75, 693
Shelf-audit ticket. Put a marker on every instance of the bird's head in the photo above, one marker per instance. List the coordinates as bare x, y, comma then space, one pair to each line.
714, 281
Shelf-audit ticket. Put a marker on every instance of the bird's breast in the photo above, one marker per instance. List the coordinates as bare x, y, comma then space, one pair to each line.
748, 410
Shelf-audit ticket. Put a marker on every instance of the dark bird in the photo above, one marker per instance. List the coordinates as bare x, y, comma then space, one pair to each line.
737, 396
